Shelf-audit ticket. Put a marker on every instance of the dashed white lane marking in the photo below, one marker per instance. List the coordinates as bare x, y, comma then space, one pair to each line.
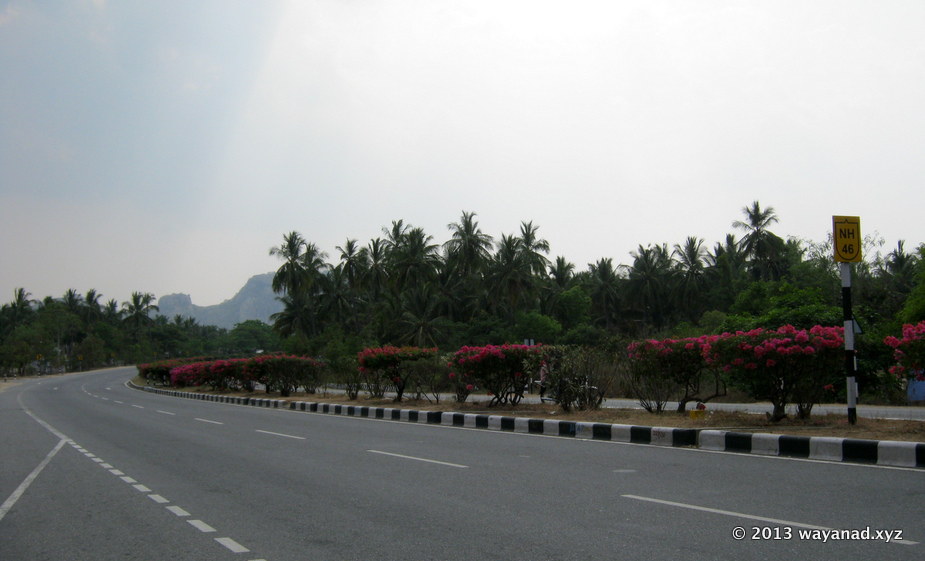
418, 459
226, 542
208, 421
234, 546
177, 510
119, 402
201, 526
281, 434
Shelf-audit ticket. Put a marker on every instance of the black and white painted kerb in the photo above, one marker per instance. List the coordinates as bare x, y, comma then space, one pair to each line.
887, 453
880, 452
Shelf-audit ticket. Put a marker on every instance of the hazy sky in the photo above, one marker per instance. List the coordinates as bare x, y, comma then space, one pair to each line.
166, 146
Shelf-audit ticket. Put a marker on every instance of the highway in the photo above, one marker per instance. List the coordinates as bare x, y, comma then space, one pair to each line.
91, 469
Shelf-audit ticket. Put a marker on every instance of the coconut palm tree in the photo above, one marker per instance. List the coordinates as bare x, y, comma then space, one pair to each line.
533, 249
605, 292
509, 276
760, 244
469, 249
290, 276
650, 281
412, 258
137, 311
690, 280
353, 260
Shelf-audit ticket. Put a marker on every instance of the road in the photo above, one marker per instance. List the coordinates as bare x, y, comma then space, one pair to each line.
91, 469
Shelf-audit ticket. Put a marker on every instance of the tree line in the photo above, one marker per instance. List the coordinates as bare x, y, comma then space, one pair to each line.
404, 288
79, 331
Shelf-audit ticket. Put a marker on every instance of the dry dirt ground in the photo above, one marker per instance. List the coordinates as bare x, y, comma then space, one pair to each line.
821, 425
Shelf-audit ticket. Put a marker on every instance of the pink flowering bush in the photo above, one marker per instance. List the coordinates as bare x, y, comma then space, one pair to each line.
286, 373
673, 369
909, 352
231, 374
283, 373
786, 365
159, 372
191, 374
392, 365
497, 369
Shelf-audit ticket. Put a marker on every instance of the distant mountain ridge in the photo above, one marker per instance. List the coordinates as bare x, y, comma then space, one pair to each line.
255, 300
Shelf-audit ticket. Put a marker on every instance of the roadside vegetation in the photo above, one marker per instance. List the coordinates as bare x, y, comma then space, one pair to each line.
652, 329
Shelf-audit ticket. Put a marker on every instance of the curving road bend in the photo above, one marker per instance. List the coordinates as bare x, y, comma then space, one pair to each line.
91, 469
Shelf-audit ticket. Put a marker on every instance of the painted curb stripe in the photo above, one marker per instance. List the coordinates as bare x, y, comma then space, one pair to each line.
886, 452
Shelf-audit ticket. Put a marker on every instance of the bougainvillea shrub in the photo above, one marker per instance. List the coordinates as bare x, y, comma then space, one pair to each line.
673, 369
499, 369
786, 365
385, 364
909, 352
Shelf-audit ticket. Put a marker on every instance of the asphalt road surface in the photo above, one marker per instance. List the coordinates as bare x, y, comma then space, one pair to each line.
91, 469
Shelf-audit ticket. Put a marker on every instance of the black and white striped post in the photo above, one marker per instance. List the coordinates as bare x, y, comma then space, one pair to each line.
847, 239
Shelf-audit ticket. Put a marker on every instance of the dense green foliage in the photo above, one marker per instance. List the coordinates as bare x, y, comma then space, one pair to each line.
403, 288
78, 332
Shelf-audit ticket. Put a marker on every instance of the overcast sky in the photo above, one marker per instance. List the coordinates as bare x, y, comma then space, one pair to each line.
166, 146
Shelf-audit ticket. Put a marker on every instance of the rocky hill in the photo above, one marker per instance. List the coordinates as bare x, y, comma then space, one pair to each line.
255, 300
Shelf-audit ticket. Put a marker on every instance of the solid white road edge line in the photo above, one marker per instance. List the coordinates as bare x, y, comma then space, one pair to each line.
11, 500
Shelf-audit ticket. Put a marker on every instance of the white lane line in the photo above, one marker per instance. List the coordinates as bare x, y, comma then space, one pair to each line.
743, 515
281, 434
119, 402
177, 510
138, 406
165, 412
201, 526
105, 466
208, 421
128, 479
418, 459
116, 472
158, 499
142, 488
98, 460
234, 546
11, 500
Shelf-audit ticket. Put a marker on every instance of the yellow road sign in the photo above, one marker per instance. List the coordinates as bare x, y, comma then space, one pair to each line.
846, 232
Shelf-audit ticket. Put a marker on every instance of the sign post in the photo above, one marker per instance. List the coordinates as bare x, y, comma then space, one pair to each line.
846, 234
